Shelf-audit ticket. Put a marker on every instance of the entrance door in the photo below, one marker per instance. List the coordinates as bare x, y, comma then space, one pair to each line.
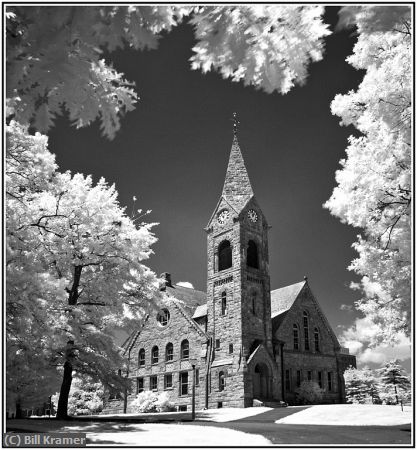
261, 381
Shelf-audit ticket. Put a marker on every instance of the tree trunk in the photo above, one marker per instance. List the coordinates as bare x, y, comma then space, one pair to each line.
62, 412
396, 394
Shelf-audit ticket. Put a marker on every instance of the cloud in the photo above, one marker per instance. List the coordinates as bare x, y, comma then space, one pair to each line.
185, 284
383, 353
361, 333
344, 307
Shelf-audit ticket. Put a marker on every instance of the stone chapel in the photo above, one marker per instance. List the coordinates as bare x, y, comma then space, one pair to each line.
238, 344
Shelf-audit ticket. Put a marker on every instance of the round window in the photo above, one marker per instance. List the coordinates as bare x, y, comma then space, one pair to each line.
163, 317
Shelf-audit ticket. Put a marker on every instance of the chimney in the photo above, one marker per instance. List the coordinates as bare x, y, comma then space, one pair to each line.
167, 277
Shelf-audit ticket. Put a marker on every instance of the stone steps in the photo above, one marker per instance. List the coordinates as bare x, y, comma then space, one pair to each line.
269, 403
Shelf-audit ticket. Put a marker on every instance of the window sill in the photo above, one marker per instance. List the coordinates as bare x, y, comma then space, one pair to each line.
169, 388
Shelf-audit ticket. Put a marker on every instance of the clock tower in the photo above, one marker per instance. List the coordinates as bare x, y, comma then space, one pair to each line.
241, 363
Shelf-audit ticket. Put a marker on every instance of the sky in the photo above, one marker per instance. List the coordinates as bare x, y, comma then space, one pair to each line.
172, 153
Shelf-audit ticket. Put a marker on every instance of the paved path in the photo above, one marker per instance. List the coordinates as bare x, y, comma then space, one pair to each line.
264, 424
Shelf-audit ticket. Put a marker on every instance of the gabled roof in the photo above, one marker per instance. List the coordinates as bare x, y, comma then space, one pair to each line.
191, 298
187, 300
282, 299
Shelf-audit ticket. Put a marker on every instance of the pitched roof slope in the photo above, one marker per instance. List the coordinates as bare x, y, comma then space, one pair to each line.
191, 298
282, 299
237, 189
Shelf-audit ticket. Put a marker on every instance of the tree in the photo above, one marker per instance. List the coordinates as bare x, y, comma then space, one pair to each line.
360, 385
374, 185
266, 46
73, 235
394, 382
55, 54
55, 60
86, 397
309, 392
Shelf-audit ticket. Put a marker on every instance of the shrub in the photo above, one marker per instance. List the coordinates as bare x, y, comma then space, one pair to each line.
309, 393
149, 402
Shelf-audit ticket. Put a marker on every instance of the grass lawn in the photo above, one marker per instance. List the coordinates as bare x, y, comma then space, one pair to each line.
350, 415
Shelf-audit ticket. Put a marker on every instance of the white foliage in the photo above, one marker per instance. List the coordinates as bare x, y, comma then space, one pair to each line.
309, 392
54, 60
374, 185
267, 46
148, 402
74, 262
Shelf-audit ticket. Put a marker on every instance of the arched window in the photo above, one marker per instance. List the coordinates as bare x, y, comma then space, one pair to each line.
253, 300
155, 355
224, 303
141, 359
169, 352
296, 337
225, 255
222, 381
185, 349
305, 326
316, 340
252, 255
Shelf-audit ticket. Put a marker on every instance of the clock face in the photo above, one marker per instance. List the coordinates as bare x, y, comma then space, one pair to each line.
252, 216
223, 216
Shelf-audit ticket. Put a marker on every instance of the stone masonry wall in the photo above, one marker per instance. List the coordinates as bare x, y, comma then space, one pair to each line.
305, 361
153, 334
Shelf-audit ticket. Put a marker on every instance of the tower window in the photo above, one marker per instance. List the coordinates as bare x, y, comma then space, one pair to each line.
230, 348
224, 303
253, 299
155, 354
217, 344
185, 349
320, 379
222, 381
225, 255
295, 336
305, 326
252, 255
197, 377
169, 352
316, 340
309, 375
141, 359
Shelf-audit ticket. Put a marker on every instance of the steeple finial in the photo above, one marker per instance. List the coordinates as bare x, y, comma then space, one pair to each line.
235, 123
237, 188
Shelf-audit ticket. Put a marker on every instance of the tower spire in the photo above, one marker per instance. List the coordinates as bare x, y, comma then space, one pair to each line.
237, 188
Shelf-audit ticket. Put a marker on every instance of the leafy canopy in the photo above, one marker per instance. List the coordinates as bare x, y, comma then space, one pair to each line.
373, 189
55, 58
